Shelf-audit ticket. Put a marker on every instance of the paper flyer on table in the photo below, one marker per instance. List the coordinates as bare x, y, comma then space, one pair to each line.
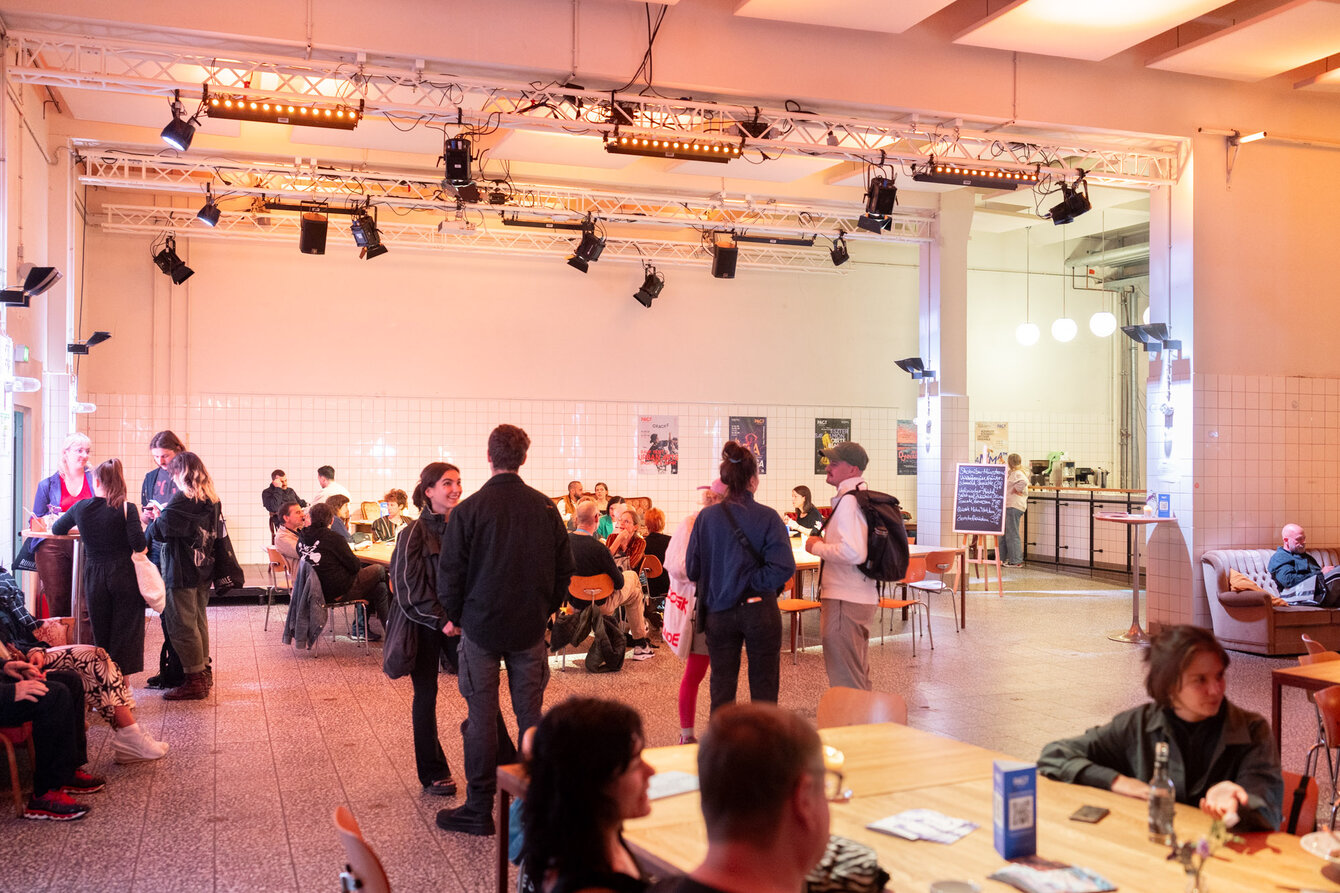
668, 784
924, 824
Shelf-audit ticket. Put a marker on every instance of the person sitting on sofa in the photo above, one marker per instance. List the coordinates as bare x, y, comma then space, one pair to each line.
1301, 580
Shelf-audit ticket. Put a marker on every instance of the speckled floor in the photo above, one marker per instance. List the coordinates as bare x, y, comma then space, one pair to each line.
245, 798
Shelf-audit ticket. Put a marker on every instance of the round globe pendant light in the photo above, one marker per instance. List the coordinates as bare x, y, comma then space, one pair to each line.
1027, 333
1065, 329
1102, 323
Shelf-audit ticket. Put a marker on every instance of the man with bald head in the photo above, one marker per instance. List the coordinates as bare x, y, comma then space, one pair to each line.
1300, 578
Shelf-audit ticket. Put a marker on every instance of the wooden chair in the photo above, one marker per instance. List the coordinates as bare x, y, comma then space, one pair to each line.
9, 737
363, 871
916, 571
1312, 645
842, 706
277, 567
1328, 712
1325, 744
651, 566
796, 607
1300, 803
941, 564
586, 589
372, 511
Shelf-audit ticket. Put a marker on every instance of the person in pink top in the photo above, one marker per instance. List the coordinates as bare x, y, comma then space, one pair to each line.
55, 495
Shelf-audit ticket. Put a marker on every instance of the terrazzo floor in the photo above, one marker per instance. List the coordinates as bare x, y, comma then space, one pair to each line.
244, 800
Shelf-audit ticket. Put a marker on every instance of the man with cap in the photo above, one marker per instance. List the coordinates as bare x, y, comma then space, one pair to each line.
848, 596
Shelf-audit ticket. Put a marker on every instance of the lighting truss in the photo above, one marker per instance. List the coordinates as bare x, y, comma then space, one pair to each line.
119, 167
400, 86
494, 240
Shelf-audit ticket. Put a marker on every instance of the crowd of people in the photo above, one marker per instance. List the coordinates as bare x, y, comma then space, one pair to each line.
478, 582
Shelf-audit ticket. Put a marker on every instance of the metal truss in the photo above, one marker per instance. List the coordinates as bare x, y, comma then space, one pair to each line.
121, 168
409, 88
484, 238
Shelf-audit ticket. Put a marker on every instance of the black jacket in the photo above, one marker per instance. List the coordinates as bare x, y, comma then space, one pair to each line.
414, 569
187, 528
590, 558
336, 564
505, 564
275, 498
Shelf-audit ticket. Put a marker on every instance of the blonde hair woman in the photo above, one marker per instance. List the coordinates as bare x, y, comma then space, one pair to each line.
56, 494
188, 527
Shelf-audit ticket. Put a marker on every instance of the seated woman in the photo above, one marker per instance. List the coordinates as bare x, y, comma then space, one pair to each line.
386, 528
104, 687
808, 517
609, 517
587, 776
657, 541
1225, 754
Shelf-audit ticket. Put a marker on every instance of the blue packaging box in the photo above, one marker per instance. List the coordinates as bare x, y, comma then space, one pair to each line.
1165, 505
1015, 808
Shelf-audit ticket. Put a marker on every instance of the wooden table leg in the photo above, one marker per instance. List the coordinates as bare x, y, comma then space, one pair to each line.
1275, 713
500, 824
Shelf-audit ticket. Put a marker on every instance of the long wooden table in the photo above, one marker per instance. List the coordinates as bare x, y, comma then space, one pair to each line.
377, 553
892, 768
1313, 677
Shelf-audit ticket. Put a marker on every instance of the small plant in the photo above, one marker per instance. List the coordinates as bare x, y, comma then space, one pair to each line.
1194, 855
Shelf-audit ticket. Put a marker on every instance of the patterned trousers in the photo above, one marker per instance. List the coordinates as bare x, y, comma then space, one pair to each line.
105, 688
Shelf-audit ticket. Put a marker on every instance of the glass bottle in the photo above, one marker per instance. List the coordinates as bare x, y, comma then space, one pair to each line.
1162, 795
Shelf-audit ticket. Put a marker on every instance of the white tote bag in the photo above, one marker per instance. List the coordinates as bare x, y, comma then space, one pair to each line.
150, 580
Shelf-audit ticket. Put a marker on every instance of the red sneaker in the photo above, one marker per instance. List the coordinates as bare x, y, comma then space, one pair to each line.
83, 783
54, 806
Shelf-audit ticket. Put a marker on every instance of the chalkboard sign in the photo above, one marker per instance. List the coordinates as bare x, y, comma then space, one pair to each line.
979, 499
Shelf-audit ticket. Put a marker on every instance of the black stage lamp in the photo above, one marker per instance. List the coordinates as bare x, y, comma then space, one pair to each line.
367, 237
456, 161
209, 214
914, 367
651, 286
172, 265
839, 251
39, 279
880, 198
312, 232
1074, 202
588, 252
180, 131
81, 347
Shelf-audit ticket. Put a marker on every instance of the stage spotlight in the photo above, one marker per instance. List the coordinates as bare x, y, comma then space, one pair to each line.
180, 131
588, 252
81, 347
172, 265
651, 286
456, 161
312, 232
839, 251
209, 214
367, 237
1074, 202
880, 198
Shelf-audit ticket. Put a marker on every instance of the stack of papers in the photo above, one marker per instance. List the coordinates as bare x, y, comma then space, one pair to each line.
668, 784
1034, 875
924, 824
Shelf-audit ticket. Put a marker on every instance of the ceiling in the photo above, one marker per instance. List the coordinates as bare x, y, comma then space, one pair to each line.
812, 166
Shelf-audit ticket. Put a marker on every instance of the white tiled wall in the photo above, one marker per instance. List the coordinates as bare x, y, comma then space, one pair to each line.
1088, 439
378, 443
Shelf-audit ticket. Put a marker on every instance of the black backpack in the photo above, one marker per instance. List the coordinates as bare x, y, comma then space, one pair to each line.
886, 540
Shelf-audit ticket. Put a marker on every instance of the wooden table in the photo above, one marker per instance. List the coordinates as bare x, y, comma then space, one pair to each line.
1135, 635
1313, 677
377, 553
892, 768
83, 629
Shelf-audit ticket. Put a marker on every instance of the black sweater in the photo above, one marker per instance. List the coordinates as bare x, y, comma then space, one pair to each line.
107, 533
336, 564
187, 528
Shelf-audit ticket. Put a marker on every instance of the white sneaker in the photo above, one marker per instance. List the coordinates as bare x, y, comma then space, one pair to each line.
131, 744
643, 651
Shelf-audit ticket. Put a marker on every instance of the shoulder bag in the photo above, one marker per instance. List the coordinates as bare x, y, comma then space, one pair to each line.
150, 581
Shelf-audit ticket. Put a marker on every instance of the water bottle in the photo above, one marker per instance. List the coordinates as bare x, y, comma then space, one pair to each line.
1162, 795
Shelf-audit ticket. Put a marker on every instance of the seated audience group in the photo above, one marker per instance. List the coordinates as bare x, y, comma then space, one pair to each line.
615, 559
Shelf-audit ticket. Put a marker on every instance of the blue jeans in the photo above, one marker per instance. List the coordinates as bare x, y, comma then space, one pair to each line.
1014, 543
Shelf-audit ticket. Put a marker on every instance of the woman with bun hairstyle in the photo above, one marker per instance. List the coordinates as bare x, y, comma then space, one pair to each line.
740, 556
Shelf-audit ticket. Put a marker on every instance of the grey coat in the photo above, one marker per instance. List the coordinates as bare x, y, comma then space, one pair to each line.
307, 607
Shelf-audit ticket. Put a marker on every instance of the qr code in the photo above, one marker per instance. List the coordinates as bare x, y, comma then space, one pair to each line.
1021, 813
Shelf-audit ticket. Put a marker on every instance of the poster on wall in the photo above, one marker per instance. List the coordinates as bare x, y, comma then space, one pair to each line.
827, 433
751, 433
991, 442
658, 444
907, 446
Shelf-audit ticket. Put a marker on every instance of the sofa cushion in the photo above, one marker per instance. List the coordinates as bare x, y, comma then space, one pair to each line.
1250, 598
1240, 582
1299, 615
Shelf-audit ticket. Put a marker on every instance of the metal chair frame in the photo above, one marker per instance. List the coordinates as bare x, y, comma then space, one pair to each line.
277, 565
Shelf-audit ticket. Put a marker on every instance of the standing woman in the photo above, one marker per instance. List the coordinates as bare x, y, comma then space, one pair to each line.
155, 493
1016, 503
55, 496
695, 663
740, 557
187, 528
414, 585
110, 529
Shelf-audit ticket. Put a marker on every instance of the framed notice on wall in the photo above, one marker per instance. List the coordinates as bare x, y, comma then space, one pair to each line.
979, 499
658, 444
907, 446
991, 442
827, 433
751, 433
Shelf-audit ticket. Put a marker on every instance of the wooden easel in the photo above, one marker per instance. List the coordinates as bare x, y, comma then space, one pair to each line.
976, 546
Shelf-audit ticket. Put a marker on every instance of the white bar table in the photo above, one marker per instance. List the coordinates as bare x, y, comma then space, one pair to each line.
1135, 635
78, 610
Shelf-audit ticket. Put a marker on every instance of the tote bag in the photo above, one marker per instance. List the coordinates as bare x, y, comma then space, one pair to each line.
150, 581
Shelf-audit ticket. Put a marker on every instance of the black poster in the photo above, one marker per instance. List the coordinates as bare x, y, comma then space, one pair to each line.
752, 433
827, 433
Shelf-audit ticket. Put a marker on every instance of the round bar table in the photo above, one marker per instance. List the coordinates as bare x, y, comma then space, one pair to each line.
83, 629
1135, 635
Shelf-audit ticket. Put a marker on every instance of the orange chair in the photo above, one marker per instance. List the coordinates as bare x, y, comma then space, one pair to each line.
10, 736
1328, 712
1313, 646
1324, 744
941, 564
363, 871
796, 607
916, 571
278, 567
1300, 803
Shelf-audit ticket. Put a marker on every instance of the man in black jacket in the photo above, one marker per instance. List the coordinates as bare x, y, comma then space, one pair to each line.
504, 569
278, 495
